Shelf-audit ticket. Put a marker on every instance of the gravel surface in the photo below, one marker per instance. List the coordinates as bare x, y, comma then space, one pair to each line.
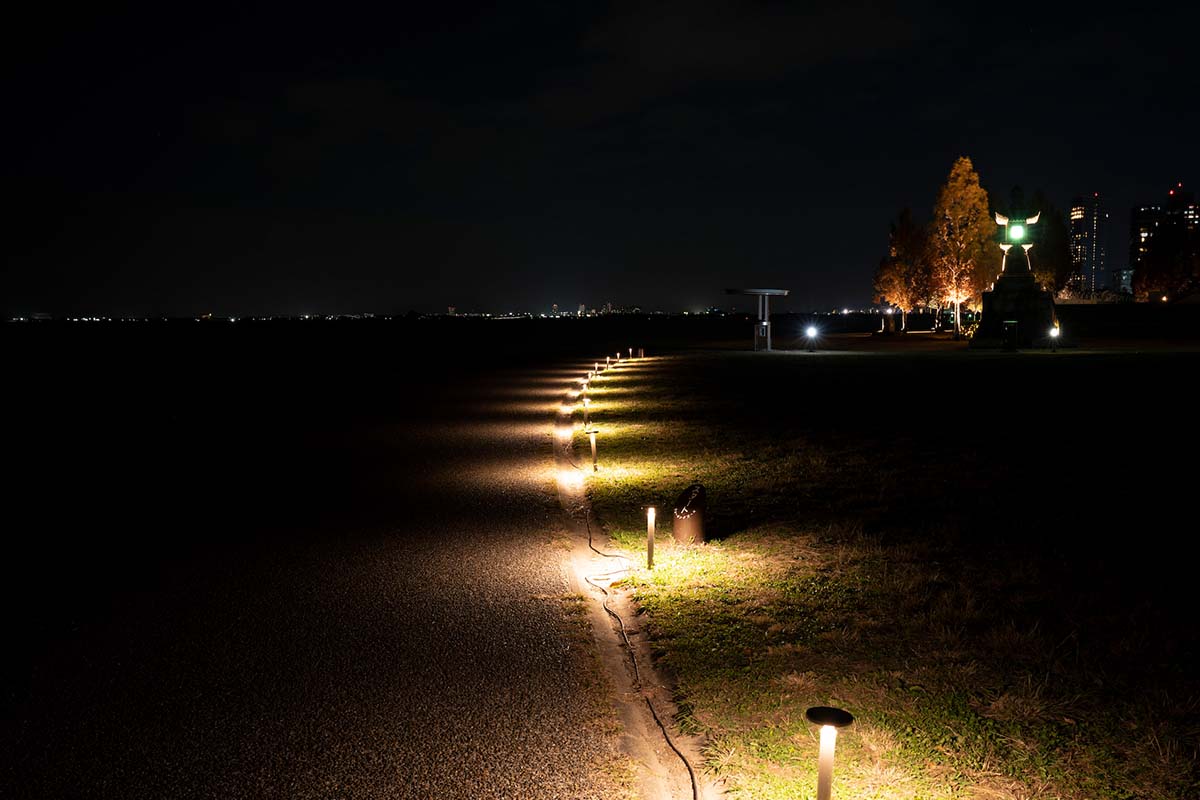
408, 638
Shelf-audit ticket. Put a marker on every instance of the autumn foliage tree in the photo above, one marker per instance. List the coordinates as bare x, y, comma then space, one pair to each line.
960, 234
901, 276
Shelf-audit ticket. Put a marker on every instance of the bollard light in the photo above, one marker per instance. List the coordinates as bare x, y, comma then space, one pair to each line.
1054, 339
606, 361
631, 352
650, 537
592, 437
595, 367
587, 423
811, 333
830, 719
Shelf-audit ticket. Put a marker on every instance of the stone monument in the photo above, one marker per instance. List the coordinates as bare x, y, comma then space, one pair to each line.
1017, 312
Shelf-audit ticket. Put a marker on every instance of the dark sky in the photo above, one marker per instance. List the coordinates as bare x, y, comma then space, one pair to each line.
165, 160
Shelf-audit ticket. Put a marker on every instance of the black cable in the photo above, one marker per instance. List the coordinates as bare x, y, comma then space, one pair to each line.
637, 673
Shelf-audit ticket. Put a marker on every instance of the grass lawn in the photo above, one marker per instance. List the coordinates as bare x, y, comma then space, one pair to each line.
981, 556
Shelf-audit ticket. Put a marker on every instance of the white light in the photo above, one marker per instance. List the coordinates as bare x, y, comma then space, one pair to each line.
1054, 333
825, 762
810, 332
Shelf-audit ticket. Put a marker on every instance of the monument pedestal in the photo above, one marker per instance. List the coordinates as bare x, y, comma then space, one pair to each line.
1015, 298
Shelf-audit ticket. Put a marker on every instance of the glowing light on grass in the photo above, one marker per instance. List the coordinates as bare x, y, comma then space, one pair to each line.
830, 719
650, 537
570, 478
606, 361
592, 438
1054, 338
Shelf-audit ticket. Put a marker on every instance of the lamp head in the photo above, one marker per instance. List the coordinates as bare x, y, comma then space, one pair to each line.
827, 715
810, 332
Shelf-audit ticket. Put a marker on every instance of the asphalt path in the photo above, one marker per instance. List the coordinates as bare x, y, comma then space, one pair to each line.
364, 608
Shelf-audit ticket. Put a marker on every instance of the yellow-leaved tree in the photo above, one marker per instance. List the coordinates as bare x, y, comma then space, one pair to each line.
960, 234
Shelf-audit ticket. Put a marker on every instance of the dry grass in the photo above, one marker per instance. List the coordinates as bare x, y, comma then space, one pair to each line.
869, 569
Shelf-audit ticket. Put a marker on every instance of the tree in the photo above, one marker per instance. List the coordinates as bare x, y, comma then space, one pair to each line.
959, 237
897, 281
1052, 255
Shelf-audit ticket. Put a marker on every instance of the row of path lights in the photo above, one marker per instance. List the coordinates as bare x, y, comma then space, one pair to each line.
828, 718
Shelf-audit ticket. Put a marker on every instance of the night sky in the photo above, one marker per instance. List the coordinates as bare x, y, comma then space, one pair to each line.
173, 161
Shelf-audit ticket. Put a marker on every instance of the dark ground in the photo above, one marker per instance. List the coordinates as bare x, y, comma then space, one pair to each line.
288, 563
314, 561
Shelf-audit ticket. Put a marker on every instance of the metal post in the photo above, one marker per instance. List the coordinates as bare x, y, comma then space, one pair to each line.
767, 319
592, 436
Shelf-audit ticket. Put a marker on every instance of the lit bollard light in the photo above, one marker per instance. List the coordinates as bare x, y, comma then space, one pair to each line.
650, 537
631, 352
595, 367
587, 422
830, 719
606, 361
591, 432
1054, 339
811, 333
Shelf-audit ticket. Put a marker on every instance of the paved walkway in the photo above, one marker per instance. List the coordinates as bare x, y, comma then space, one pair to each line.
410, 641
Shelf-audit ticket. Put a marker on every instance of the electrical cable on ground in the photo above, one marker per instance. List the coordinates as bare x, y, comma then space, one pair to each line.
637, 674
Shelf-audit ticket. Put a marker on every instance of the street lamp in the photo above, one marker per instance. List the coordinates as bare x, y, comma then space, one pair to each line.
830, 719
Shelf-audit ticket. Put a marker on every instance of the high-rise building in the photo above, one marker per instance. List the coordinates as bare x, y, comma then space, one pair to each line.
1164, 244
1089, 227
1144, 223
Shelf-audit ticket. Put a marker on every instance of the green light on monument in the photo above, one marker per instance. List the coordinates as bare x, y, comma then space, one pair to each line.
1016, 232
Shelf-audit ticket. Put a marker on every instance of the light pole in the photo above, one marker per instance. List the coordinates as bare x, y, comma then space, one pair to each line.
830, 719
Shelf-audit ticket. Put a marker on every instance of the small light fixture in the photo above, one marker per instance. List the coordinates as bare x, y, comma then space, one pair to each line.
592, 438
650, 537
830, 719
1054, 339
811, 333
587, 422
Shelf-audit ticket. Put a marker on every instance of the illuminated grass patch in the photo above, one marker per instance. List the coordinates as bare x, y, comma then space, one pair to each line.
843, 575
